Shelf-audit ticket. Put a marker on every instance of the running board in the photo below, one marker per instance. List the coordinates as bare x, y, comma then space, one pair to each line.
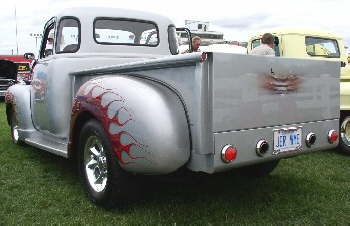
50, 146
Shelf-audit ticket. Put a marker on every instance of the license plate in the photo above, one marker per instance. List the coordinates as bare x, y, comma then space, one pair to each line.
287, 140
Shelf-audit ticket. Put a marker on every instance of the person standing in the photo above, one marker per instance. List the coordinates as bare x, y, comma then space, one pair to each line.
196, 42
266, 47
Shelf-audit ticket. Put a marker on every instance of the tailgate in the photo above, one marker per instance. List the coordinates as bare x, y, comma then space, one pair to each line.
258, 91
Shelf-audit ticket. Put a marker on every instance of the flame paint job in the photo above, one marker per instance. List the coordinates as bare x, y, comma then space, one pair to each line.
9, 98
88, 100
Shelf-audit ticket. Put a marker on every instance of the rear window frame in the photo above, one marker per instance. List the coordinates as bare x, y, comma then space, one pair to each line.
324, 56
124, 19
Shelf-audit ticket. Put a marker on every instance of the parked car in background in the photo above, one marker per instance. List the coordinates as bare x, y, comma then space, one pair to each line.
8, 75
24, 63
317, 45
116, 94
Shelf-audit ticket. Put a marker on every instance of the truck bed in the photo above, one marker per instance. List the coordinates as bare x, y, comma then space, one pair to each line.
241, 99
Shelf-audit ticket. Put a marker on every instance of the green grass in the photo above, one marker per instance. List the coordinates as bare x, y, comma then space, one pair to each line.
37, 187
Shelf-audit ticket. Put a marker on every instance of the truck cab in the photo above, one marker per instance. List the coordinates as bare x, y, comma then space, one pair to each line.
317, 45
307, 44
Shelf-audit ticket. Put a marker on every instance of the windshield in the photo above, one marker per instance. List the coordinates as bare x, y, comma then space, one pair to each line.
125, 32
322, 47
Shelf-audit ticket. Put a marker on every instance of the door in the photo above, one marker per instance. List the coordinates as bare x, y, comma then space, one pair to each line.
41, 76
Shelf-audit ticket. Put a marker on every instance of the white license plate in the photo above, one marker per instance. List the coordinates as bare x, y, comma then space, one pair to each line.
287, 140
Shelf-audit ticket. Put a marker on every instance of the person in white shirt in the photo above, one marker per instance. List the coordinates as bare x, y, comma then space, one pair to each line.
196, 42
266, 47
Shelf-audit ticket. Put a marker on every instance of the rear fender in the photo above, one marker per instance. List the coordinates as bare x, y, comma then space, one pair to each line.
145, 121
17, 99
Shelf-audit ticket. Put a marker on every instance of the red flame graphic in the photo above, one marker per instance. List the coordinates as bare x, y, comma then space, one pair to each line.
106, 121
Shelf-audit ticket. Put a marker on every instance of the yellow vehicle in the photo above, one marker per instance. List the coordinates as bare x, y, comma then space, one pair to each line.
312, 44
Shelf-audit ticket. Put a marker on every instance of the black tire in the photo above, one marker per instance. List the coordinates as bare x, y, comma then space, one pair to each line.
116, 185
259, 170
13, 126
344, 139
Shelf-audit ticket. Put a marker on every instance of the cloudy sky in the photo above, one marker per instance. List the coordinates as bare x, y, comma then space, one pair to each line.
238, 20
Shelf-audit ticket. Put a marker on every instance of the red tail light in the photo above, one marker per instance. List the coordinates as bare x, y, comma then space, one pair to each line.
332, 136
228, 153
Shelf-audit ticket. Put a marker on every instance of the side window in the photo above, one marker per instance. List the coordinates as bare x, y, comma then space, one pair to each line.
48, 42
68, 36
322, 47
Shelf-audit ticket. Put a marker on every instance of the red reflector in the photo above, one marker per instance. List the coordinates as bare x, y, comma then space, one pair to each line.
228, 153
333, 136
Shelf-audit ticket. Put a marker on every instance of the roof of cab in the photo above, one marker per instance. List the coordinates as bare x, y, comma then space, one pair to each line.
93, 12
303, 31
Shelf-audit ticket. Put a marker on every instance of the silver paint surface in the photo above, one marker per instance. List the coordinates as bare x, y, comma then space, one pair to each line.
239, 101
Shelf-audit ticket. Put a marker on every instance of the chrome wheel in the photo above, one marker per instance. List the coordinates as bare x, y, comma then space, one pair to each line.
345, 131
14, 129
95, 163
15, 134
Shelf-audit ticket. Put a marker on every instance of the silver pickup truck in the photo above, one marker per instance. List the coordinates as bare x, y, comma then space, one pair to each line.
112, 91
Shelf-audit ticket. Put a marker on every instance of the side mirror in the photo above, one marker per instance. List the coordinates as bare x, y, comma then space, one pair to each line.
29, 56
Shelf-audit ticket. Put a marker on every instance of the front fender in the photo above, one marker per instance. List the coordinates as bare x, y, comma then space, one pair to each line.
146, 122
17, 99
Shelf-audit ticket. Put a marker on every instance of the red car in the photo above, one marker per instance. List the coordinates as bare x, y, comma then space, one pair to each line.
8, 75
24, 66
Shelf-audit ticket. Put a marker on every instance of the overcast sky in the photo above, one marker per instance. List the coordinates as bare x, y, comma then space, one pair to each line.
238, 20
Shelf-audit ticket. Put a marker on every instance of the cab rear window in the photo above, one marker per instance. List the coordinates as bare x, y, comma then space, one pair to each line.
125, 32
322, 47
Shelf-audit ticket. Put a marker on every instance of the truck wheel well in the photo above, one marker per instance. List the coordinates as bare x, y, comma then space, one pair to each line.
82, 118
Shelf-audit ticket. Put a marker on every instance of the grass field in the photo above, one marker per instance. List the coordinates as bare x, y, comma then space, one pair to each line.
39, 188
